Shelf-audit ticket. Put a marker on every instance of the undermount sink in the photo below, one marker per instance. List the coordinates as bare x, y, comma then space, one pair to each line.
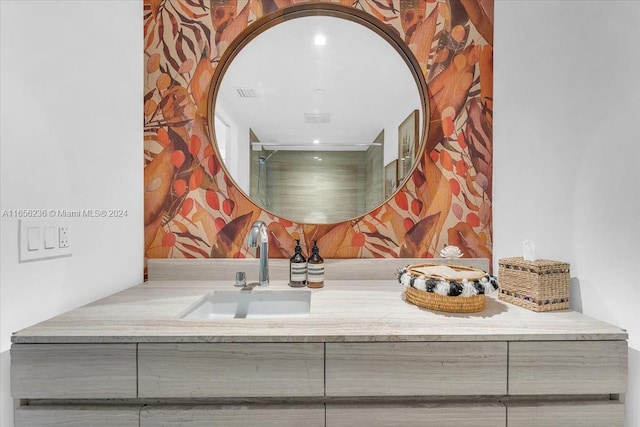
251, 305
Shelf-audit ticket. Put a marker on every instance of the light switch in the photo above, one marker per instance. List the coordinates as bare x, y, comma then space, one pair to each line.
33, 238
38, 238
49, 237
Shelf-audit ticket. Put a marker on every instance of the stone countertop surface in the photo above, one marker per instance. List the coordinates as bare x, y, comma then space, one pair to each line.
342, 311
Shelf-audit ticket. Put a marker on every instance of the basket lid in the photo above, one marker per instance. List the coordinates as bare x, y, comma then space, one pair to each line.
446, 272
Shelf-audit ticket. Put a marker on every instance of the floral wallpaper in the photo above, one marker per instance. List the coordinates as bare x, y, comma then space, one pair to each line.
193, 210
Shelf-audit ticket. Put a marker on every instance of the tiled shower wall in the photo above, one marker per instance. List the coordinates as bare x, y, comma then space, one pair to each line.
319, 186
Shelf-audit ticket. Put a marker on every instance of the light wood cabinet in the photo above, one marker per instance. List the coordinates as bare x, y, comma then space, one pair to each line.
416, 369
82, 371
233, 416
416, 415
362, 358
229, 369
77, 416
471, 383
566, 414
563, 367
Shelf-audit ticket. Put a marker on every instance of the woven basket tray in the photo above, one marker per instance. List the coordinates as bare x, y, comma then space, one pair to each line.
434, 301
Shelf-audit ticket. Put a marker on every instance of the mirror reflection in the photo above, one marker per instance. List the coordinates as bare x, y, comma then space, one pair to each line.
318, 119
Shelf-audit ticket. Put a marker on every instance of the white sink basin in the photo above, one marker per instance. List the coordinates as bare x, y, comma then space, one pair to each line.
251, 305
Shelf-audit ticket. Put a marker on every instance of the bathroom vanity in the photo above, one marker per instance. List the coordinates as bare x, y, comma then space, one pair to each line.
361, 357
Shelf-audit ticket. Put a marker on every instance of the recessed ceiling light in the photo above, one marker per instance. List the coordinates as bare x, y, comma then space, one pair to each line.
316, 141
320, 40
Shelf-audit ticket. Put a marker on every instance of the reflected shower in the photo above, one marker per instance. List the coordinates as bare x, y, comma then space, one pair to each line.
262, 179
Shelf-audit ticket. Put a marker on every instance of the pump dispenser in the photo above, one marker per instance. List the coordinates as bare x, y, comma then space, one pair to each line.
315, 268
298, 268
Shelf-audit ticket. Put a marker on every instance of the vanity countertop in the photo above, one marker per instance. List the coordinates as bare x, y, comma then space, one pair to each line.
344, 310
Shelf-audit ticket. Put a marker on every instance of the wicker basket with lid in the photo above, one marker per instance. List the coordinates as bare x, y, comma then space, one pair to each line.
452, 288
541, 285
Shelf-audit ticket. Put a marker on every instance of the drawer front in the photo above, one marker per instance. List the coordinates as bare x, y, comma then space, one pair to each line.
85, 371
233, 416
471, 415
231, 370
69, 416
567, 367
567, 414
416, 369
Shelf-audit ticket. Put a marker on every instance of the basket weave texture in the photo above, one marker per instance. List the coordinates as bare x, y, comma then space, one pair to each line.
437, 302
541, 285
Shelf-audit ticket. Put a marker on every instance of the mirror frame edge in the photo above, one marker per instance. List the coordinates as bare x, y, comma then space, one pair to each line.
318, 9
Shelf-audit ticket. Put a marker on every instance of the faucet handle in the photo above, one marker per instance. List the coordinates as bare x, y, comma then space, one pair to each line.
257, 234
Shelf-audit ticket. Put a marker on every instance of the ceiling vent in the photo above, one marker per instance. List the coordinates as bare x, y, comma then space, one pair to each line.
317, 117
246, 92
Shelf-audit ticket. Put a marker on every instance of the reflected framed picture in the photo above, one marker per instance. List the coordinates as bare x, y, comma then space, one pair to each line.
407, 144
390, 178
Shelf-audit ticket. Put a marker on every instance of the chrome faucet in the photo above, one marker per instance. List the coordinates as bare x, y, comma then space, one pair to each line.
259, 233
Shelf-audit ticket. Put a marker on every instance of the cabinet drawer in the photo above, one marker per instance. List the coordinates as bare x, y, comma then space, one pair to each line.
84, 371
416, 369
233, 416
70, 416
567, 367
608, 413
231, 370
441, 415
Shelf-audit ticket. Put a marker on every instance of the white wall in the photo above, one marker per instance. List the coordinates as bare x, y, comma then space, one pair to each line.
71, 138
238, 147
567, 151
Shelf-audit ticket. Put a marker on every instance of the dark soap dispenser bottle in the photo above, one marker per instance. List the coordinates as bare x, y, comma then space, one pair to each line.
315, 268
298, 268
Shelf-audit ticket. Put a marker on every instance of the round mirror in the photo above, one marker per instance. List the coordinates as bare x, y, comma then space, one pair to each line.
318, 118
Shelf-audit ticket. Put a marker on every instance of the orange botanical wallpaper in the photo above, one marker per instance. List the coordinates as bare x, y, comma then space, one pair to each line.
193, 210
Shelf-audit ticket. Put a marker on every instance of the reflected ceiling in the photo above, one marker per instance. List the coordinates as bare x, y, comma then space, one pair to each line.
356, 86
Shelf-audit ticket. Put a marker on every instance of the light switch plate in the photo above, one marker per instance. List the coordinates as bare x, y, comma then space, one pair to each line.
39, 238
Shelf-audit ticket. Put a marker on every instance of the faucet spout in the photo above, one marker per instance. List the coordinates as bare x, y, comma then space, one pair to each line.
259, 235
